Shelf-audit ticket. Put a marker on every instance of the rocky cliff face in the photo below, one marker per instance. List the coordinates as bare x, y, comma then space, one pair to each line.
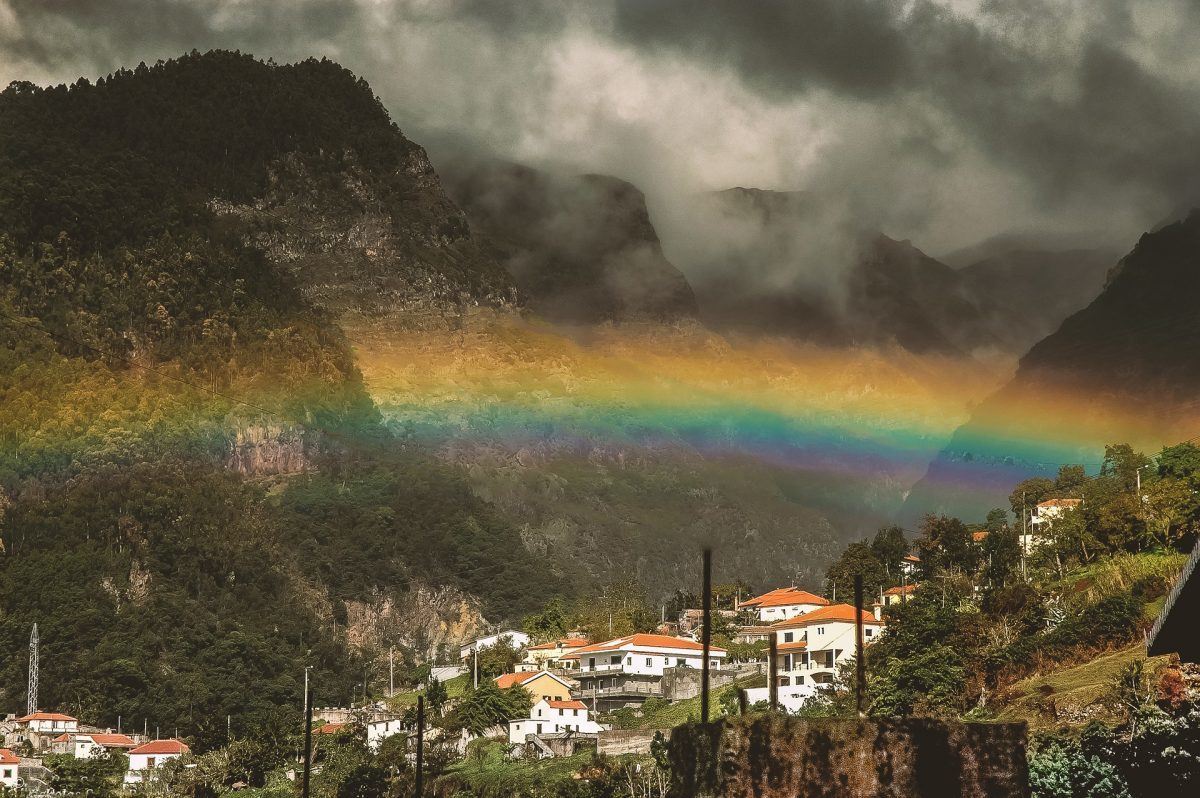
364, 242
264, 450
429, 621
581, 248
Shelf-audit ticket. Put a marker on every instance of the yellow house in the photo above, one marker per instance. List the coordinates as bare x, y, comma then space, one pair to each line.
549, 655
540, 684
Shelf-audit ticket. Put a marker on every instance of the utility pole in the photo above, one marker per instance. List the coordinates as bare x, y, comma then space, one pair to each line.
706, 634
475, 650
228, 728
420, 745
860, 665
773, 673
391, 671
33, 671
307, 736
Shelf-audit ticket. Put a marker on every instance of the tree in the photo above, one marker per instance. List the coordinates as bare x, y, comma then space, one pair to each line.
1000, 552
1028, 493
945, 543
488, 706
857, 560
549, 624
1166, 502
436, 696
890, 546
97, 776
497, 659
929, 683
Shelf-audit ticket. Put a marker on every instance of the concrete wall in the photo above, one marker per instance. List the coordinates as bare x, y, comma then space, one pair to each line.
773, 756
681, 683
616, 742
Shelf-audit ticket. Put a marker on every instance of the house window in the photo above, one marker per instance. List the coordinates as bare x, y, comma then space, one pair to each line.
680, 662
576, 712
8, 773
539, 728
614, 660
712, 663
870, 631
591, 662
820, 630
788, 637
629, 660
150, 761
649, 661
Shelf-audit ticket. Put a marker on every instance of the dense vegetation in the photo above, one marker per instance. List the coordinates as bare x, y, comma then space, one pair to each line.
987, 618
139, 335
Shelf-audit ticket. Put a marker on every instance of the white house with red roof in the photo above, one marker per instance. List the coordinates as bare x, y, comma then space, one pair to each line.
898, 595
10, 768
144, 759
810, 647
637, 666
783, 603
909, 565
86, 745
553, 717
49, 723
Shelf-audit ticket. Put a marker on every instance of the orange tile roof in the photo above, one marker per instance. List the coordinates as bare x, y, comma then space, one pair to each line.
899, 591
1060, 503
62, 738
46, 716
911, 558
112, 740
643, 641
979, 536
566, 704
7, 757
175, 746
566, 642
506, 680
832, 614
785, 596
798, 645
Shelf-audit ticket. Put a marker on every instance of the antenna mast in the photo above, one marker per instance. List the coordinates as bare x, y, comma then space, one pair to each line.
33, 671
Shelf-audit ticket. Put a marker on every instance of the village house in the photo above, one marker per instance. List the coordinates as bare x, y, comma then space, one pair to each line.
637, 666
553, 717
148, 756
10, 768
782, 604
518, 640
909, 565
54, 723
810, 646
753, 634
1042, 518
540, 685
86, 745
898, 595
550, 655
380, 730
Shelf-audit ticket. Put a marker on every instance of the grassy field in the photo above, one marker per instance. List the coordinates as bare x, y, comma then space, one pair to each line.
455, 688
1075, 695
487, 772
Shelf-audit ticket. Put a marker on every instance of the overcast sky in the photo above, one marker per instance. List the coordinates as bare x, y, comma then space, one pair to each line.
944, 121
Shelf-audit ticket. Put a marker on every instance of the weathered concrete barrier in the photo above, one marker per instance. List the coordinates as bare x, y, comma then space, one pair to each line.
774, 756
618, 742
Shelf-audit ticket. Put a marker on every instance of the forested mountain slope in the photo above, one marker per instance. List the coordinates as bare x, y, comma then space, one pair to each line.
156, 337
1125, 367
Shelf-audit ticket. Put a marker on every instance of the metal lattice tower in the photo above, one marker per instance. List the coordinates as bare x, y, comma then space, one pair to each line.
33, 671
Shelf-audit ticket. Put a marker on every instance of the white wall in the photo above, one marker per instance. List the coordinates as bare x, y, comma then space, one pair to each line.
380, 730
9, 775
646, 662
790, 698
784, 612
140, 767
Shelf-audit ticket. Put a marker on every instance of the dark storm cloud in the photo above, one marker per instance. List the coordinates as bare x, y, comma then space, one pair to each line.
780, 46
941, 121
1071, 117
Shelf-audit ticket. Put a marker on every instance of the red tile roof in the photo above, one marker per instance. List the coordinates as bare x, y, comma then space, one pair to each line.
112, 740
643, 641
798, 645
506, 680
979, 536
1061, 503
567, 705
835, 613
169, 746
7, 757
46, 716
784, 597
62, 738
899, 591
